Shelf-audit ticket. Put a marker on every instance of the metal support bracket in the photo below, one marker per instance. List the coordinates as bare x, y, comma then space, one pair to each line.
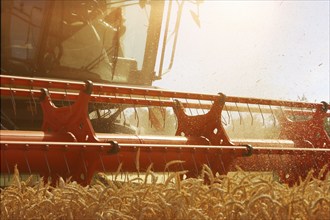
308, 134
309, 131
207, 125
69, 119
73, 121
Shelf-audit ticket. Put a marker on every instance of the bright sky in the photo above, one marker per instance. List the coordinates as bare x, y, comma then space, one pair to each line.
264, 49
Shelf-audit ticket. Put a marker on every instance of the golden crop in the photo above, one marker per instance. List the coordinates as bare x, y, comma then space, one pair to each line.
240, 196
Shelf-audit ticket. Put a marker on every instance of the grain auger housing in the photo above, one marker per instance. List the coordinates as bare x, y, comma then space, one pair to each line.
73, 104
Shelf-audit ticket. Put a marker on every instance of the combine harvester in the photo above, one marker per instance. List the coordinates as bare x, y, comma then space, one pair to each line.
77, 99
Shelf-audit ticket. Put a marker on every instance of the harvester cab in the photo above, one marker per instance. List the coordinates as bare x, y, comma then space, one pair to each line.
102, 41
113, 42
77, 99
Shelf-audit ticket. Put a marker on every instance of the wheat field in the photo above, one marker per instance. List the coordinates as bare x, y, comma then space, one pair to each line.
242, 195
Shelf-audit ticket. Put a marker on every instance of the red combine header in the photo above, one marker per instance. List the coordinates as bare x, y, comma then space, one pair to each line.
73, 103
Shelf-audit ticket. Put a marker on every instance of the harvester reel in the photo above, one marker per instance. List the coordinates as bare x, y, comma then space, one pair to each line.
69, 146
